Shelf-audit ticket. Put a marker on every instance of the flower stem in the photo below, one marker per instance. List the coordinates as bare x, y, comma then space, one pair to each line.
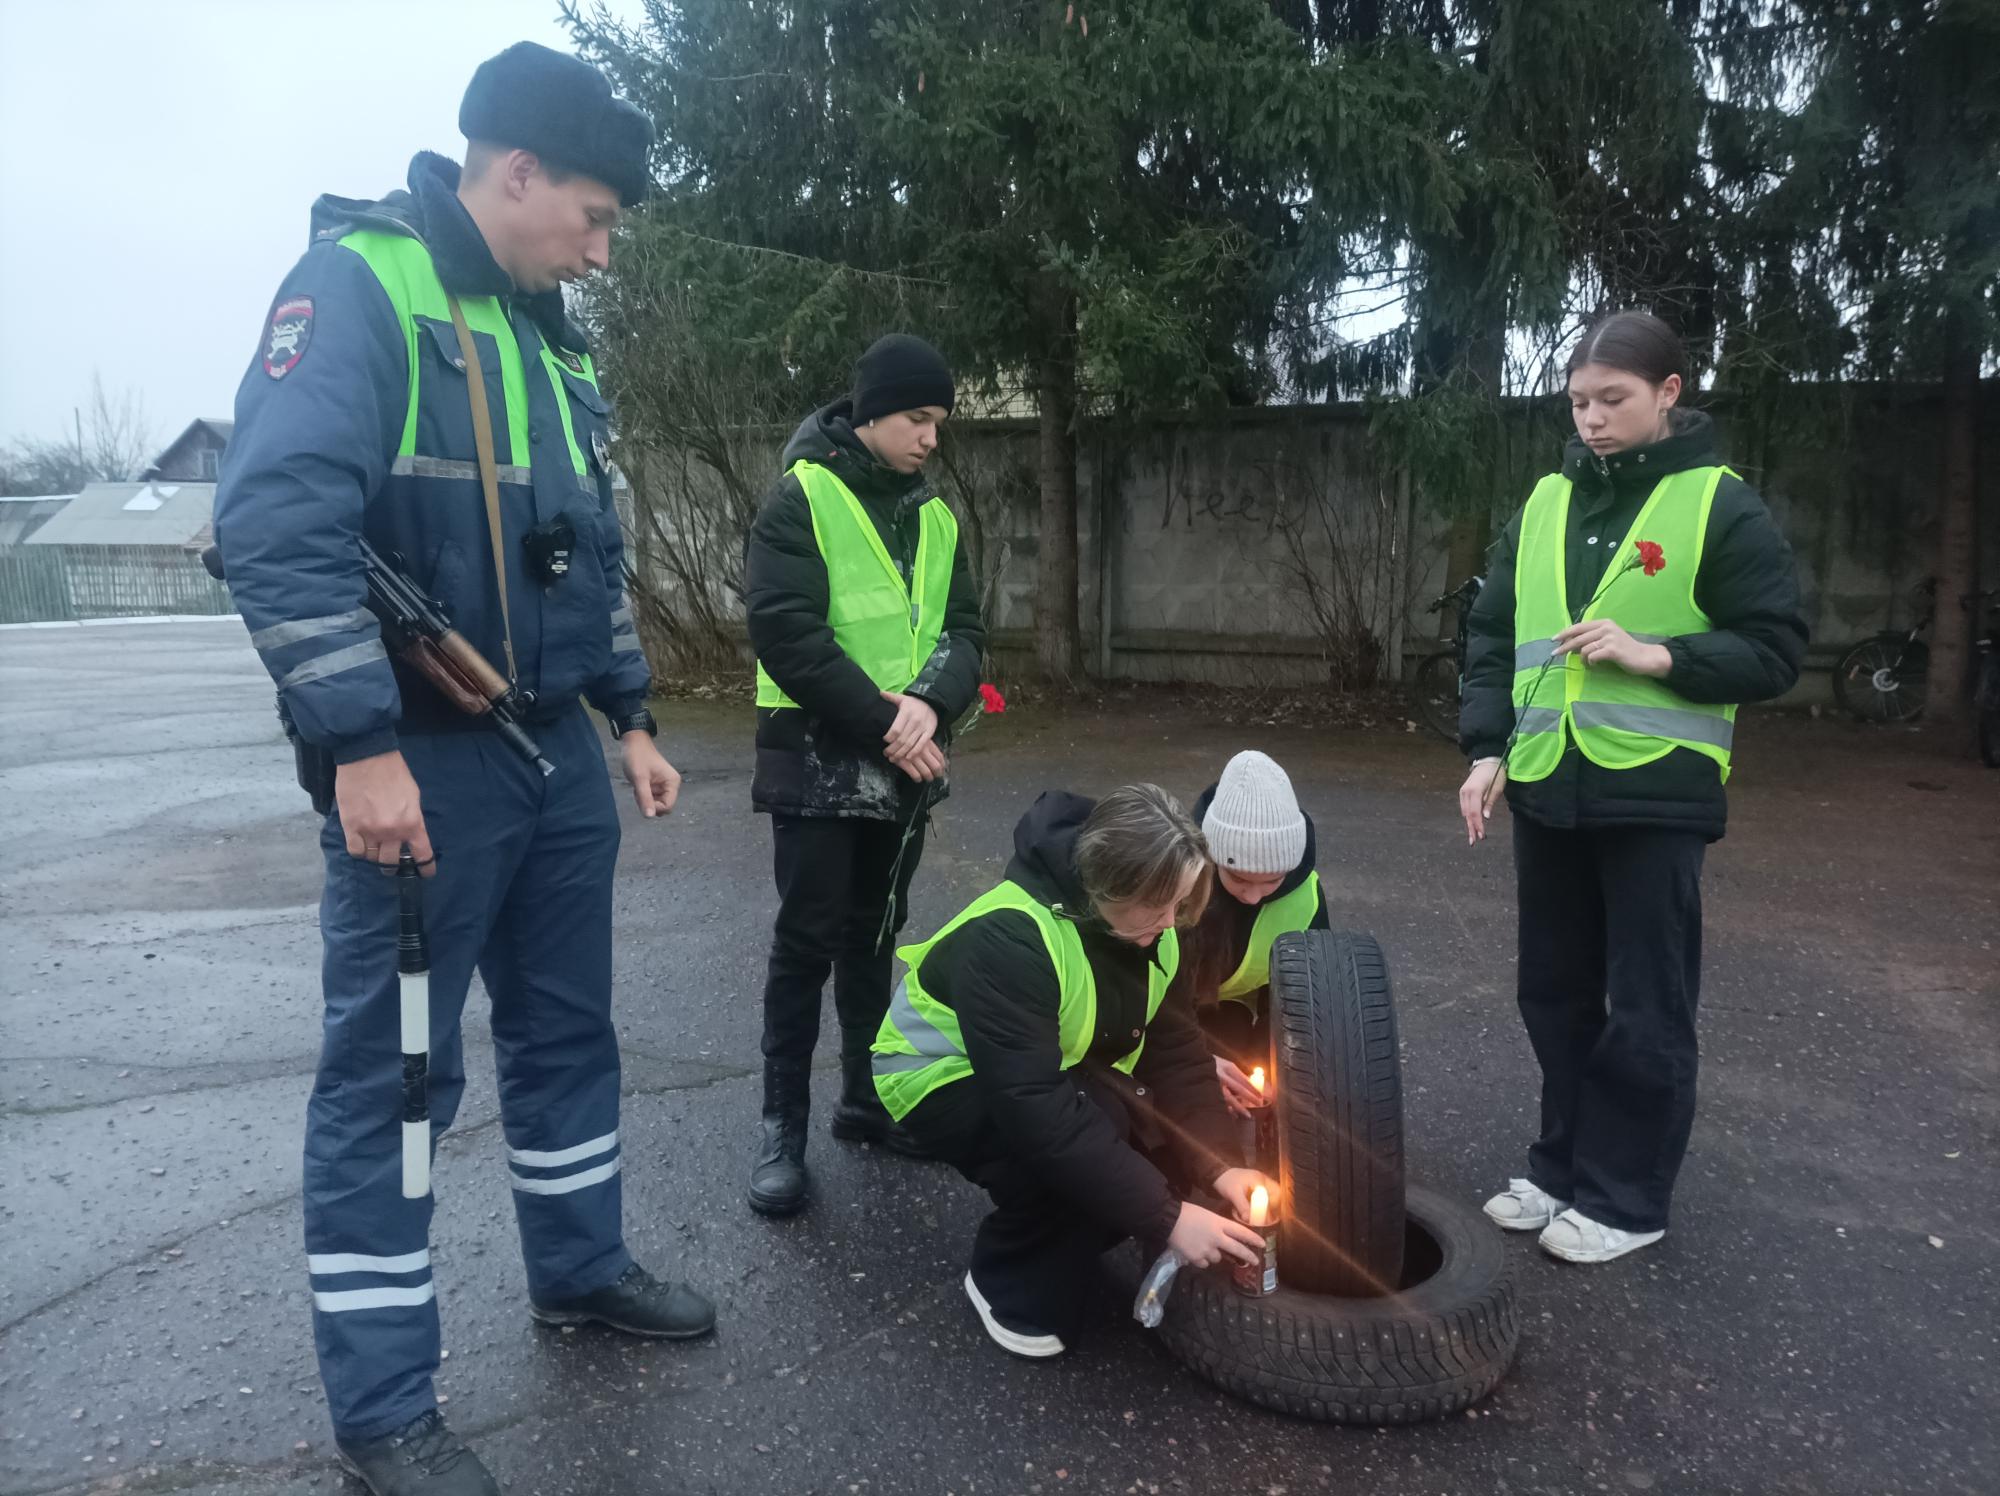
1575, 617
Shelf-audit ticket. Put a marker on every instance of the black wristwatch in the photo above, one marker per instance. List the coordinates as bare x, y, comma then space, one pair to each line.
639, 721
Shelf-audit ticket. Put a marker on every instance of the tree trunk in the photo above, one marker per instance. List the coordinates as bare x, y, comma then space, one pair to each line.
1357, 21
1296, 14
1058, 639
1482, 351
1945, 710
1471, 535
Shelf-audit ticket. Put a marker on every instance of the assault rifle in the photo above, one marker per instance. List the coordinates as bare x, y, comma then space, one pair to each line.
416, 628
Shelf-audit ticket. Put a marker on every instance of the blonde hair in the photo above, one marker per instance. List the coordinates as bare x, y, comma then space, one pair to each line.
1137, 844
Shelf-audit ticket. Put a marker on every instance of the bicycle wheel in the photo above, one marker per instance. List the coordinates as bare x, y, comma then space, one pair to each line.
1883, 679
1436, 692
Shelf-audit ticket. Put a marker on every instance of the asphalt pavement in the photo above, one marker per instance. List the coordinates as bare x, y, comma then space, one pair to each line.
1821, 1318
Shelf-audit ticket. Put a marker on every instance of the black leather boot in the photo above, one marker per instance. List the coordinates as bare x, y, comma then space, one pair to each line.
861, 1117
778, 1179
639, 1304
423, 1458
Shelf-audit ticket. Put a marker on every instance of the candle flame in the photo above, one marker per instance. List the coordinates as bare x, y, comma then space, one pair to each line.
1260, 1206
1257, 1079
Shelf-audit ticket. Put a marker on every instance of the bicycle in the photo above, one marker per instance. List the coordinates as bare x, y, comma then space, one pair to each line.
1440, 677
1886, 677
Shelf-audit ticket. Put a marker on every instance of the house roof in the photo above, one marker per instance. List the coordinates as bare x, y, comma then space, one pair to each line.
130, 514
23, 514
216, 426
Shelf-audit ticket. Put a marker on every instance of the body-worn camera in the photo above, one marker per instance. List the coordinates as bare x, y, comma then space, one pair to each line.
549, 547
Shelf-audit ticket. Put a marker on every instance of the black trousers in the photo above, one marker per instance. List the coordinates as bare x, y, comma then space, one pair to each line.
834, 882
1035, 1255
1610, 975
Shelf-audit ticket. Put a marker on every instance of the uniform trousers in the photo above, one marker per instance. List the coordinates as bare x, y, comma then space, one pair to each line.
522, 894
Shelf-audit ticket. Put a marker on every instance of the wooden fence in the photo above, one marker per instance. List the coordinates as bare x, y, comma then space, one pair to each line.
61, 583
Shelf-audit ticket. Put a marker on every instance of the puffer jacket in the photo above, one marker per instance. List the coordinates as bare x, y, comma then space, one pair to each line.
996, 974
331, 446
1746, 584
824, 757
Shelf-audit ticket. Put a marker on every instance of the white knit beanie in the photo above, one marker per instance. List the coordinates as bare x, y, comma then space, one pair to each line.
1254, 824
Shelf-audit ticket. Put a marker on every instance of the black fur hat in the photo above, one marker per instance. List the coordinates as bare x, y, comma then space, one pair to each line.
531, 98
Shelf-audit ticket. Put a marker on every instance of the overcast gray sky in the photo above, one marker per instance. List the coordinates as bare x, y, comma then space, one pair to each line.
158, 158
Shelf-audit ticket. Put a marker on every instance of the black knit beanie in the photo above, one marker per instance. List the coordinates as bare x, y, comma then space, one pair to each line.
900, 372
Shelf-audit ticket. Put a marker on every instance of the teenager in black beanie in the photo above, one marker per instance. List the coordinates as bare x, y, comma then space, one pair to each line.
900, 373
865, 620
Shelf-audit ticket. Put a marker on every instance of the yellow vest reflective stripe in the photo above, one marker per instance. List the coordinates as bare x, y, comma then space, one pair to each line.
884, 625
920, 1045
1616, 720
1281, 916
409, 278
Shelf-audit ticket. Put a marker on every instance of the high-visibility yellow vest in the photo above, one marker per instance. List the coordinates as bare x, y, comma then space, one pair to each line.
1616, 719
1282, 916
403, 265
920, 1045
886, 626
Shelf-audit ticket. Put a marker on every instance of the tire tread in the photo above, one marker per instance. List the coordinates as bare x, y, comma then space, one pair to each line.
1360, 1361
1340, 1155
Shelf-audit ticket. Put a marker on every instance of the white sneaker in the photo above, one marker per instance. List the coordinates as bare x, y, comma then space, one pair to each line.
1523, 1207
1022, 1340
1577, 1238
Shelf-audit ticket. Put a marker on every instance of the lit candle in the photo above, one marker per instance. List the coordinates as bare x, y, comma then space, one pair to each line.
1260, 1206
1257, 1079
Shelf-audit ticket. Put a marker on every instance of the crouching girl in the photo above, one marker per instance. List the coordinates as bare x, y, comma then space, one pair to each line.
1267, 877
1031, 1046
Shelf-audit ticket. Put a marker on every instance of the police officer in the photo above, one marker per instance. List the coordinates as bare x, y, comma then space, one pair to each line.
865, 619
356, 420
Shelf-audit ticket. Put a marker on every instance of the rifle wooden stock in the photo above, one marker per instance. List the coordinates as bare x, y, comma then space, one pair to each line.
445, 672
420, 633
491, 684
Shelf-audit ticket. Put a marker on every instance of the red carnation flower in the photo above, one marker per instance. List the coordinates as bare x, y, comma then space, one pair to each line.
1651, 557
995, 702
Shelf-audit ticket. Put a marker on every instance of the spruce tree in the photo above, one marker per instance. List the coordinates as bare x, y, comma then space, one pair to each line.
1137, 208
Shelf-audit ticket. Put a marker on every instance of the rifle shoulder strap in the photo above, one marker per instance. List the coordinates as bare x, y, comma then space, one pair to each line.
489, 473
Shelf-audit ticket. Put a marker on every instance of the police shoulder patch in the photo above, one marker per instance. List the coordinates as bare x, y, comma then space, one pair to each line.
286, 339
570, 360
